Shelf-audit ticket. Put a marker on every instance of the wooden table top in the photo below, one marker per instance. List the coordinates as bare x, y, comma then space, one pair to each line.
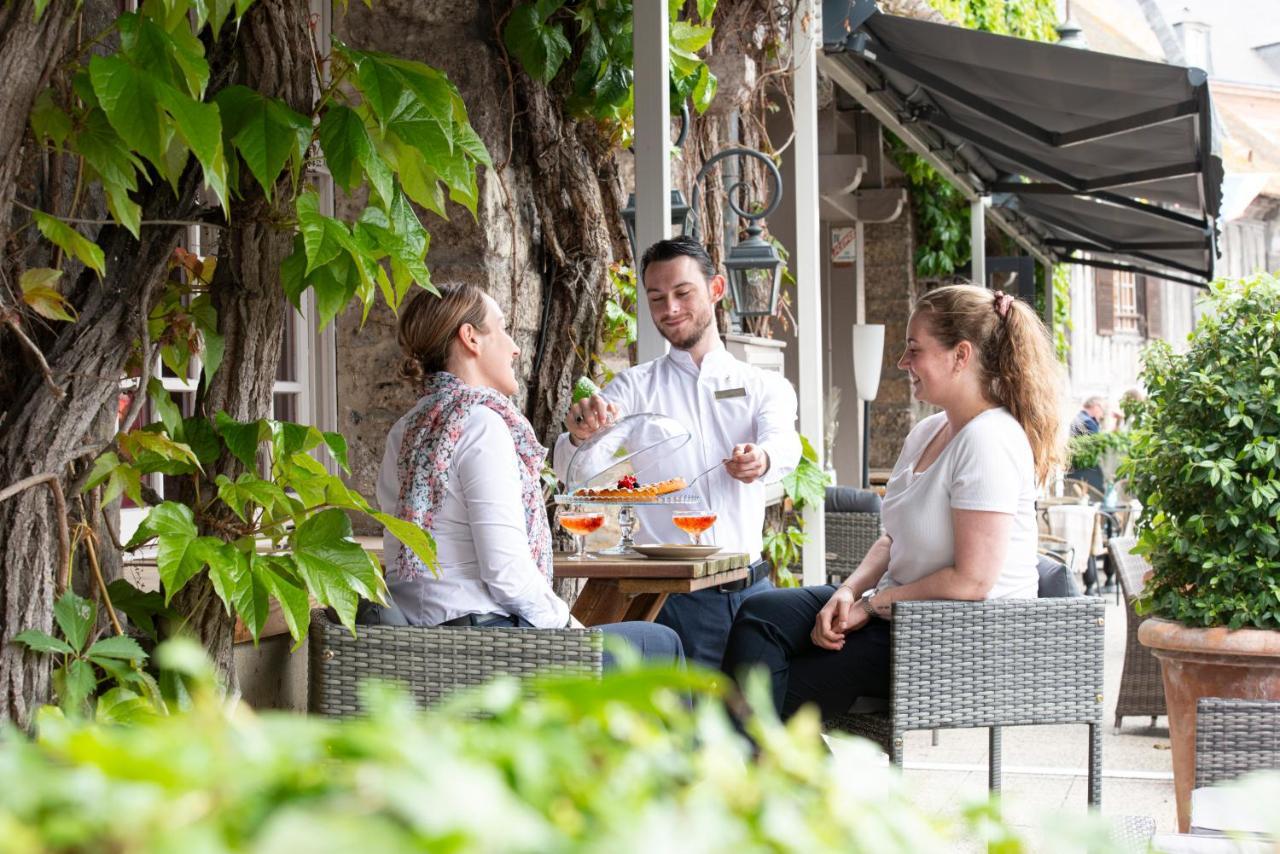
606, 567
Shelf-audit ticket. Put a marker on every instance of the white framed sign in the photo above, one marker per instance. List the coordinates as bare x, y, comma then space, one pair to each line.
844, 245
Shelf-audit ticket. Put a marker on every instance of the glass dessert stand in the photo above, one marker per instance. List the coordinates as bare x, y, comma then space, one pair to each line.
634, 448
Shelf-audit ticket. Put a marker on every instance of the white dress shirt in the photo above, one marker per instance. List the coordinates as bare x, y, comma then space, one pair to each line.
482, 543
725, 403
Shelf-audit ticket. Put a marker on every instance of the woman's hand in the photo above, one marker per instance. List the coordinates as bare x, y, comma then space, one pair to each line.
837, 618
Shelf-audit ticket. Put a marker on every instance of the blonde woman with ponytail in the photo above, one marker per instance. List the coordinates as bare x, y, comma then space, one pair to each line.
958, 512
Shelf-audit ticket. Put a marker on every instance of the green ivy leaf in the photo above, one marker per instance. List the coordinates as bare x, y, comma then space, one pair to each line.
540, 47
240, 438
336, 570
49, 121
412, 536
265, 131
278, 574
74, 684
121, 706
337, 445
75, 618
70, 240
346, 145
166, 409
252, 599
141, 607
120, 647
38, 641
167, 518
250, 488
126, 96
200, 127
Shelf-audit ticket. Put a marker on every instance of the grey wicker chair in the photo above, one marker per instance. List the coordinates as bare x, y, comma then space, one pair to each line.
1234, 737
1141, 683
849, 537
432, 662
998, 663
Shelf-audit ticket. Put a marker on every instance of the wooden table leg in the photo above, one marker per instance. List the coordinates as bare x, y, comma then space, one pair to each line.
600, 602
645, 606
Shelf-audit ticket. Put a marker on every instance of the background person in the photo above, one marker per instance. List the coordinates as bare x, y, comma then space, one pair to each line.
734, 411
958, 511
465, 465
1089, 418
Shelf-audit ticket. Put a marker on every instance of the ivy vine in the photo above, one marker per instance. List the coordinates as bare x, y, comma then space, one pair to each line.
599, 61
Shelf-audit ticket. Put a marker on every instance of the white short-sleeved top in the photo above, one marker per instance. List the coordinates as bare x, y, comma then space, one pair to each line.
988, 466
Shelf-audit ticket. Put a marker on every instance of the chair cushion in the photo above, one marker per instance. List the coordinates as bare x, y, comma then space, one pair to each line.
1055, 579
848, 499
372, 614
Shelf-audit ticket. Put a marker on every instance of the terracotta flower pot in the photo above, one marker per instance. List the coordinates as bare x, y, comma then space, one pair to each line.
1242, 665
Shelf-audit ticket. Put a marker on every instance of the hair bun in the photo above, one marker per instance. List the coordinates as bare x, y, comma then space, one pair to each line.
411, 370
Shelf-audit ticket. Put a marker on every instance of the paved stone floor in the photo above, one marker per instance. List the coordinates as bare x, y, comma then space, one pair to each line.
1045, 767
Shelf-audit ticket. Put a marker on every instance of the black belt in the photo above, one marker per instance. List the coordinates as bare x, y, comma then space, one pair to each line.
481, 620
755, 572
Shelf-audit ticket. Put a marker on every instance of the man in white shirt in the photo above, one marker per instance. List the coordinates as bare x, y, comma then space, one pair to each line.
737, 414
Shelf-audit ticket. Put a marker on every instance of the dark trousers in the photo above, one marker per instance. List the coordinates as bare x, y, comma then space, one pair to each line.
773, 630
703, 618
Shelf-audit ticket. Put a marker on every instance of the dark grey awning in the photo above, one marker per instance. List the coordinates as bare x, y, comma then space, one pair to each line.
1091, 153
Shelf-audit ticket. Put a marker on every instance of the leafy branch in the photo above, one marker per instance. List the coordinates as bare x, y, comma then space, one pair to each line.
589, 42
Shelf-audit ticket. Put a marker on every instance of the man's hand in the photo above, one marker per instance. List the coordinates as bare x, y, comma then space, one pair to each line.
589, 415
747, 463
837, 618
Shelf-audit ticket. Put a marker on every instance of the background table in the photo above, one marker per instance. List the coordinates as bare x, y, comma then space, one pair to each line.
636, 588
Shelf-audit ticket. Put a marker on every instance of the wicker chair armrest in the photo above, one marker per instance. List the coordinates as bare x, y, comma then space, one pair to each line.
434, 661
1234, 737
997, 662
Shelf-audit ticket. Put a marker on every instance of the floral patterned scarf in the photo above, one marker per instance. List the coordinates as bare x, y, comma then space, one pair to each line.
426, 452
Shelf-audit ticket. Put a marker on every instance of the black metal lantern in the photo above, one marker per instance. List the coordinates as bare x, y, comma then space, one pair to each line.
754, 265
679, 218
755, 275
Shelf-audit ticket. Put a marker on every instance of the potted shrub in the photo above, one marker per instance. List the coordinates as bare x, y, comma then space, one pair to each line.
1204, 465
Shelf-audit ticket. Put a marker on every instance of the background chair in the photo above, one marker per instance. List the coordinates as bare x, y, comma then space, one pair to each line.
1141, 683
1234, 737
852, 526
433, 662
997, 663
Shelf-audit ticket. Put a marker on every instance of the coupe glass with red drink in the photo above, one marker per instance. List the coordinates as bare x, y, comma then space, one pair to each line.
580, 523
694, 523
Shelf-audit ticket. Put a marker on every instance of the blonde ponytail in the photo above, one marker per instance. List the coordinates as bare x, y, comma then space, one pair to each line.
1015, 355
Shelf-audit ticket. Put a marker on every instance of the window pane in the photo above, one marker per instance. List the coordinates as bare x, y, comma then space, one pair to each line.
287, 370
285, 407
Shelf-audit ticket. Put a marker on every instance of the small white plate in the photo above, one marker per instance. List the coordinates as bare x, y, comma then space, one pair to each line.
675, 551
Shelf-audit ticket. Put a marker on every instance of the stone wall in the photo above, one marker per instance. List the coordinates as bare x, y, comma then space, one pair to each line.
491, 250
891, 291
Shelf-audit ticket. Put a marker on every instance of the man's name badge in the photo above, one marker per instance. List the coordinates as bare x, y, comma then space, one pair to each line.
724, 393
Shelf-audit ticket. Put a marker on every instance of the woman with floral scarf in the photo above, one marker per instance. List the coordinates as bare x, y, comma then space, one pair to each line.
465, 465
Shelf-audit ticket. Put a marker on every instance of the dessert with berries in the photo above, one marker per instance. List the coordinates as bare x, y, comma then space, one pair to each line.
629, 488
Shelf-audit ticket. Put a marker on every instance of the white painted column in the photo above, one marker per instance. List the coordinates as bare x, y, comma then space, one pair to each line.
806, 42
652, 144
859, 316
978, 239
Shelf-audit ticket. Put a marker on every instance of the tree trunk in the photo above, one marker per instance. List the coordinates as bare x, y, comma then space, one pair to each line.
41, 431
29, 51
274, 58
577, 198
